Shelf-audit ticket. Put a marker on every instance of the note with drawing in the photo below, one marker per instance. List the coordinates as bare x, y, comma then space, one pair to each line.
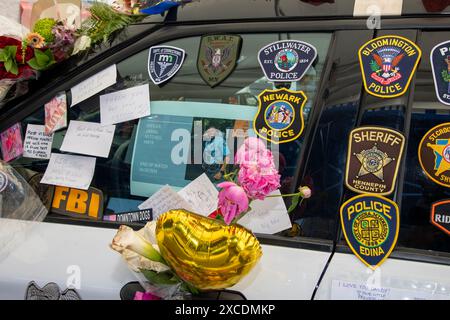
201, 194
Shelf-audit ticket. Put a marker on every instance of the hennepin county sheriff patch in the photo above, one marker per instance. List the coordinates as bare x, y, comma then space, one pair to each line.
370, 224
280, 115
434, 154
440, 64
217, 57
164, 62
373, 159
388, 64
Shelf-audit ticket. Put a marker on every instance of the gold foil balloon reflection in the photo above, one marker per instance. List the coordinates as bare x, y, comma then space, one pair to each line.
204, 252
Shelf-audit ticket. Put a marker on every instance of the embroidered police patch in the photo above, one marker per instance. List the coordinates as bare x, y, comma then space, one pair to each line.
217, 57
440, 215
440, 64
286, 60
164, 62
373, 159
370, 224
388, 64
280, 115
434, 154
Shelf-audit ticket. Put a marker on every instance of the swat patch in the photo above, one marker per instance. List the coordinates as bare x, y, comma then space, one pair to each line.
440, 215
280, 115
440, 64
373, 159
286, 60
164, 62
434, 154
370, 224
217, 57
388, 64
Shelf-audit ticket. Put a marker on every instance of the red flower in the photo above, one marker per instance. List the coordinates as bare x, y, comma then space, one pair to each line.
8, 41
25, 72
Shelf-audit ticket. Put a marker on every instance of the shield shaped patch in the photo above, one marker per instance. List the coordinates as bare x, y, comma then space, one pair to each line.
440, 215
440, 64
370, 224
164, 62
280, 115
388, 64
434, 154
286, 60
217, 57
373, 159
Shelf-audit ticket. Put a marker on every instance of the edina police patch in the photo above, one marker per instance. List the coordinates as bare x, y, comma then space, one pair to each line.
280, 115
370, 224
388, 64
164, 62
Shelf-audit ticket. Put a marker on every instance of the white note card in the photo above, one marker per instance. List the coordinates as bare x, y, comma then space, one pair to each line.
69, 171
164, 200
37, 144
378, 8
201, 194
267, 216
125, 105
88, 138
93, 85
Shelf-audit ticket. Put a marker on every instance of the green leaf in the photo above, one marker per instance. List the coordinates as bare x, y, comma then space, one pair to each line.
8, 65
294, 203
11, 51
41, 58
14, 68
3, 56
33, 64
163, 278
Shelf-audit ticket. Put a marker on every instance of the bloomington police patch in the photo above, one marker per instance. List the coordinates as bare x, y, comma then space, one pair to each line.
217, 57
434, 154
280, 115
371, 225
373, 159
388, 64
164, 62
440, 215
440, 64
286, 60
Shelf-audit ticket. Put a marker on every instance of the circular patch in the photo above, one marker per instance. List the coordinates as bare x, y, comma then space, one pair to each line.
370, 229
434, 154
286, 60
373, 160
3, 181
279, 115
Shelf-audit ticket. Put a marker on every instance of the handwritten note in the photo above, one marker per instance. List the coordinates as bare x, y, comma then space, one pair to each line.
93, 85
69, 171
201, 194
378, 7
37, 144
125, 105
88, 138
56, 113
164, 200
267, 216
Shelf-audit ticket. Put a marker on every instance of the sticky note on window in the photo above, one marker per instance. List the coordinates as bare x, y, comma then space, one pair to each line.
37, 144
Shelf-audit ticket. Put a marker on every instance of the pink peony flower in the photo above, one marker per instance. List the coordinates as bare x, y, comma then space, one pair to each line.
305, 192
259, 180
253, 151
232, 201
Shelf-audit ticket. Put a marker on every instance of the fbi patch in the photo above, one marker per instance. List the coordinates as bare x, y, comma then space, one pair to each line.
280, 115
373, 160
388, 64
164, 62
434, 154
440, 64
370, 224
78, 203
286, 60
440, 215
217, 57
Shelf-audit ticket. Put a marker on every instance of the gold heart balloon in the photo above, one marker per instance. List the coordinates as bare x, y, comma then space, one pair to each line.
206, 253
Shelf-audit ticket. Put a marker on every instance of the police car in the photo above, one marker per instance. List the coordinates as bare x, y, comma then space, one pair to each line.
371, 147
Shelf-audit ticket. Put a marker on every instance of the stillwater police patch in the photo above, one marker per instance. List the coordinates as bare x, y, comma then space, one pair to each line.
164, 62
370, 224
286, 60
388, 64
440, 64
280, 115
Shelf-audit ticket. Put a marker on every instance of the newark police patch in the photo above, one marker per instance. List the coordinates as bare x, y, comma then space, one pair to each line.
280, 115
434, 154
388, 64
286, 60
440, 64
440, 215
373, 159
217, 57
370, 224
164, 62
